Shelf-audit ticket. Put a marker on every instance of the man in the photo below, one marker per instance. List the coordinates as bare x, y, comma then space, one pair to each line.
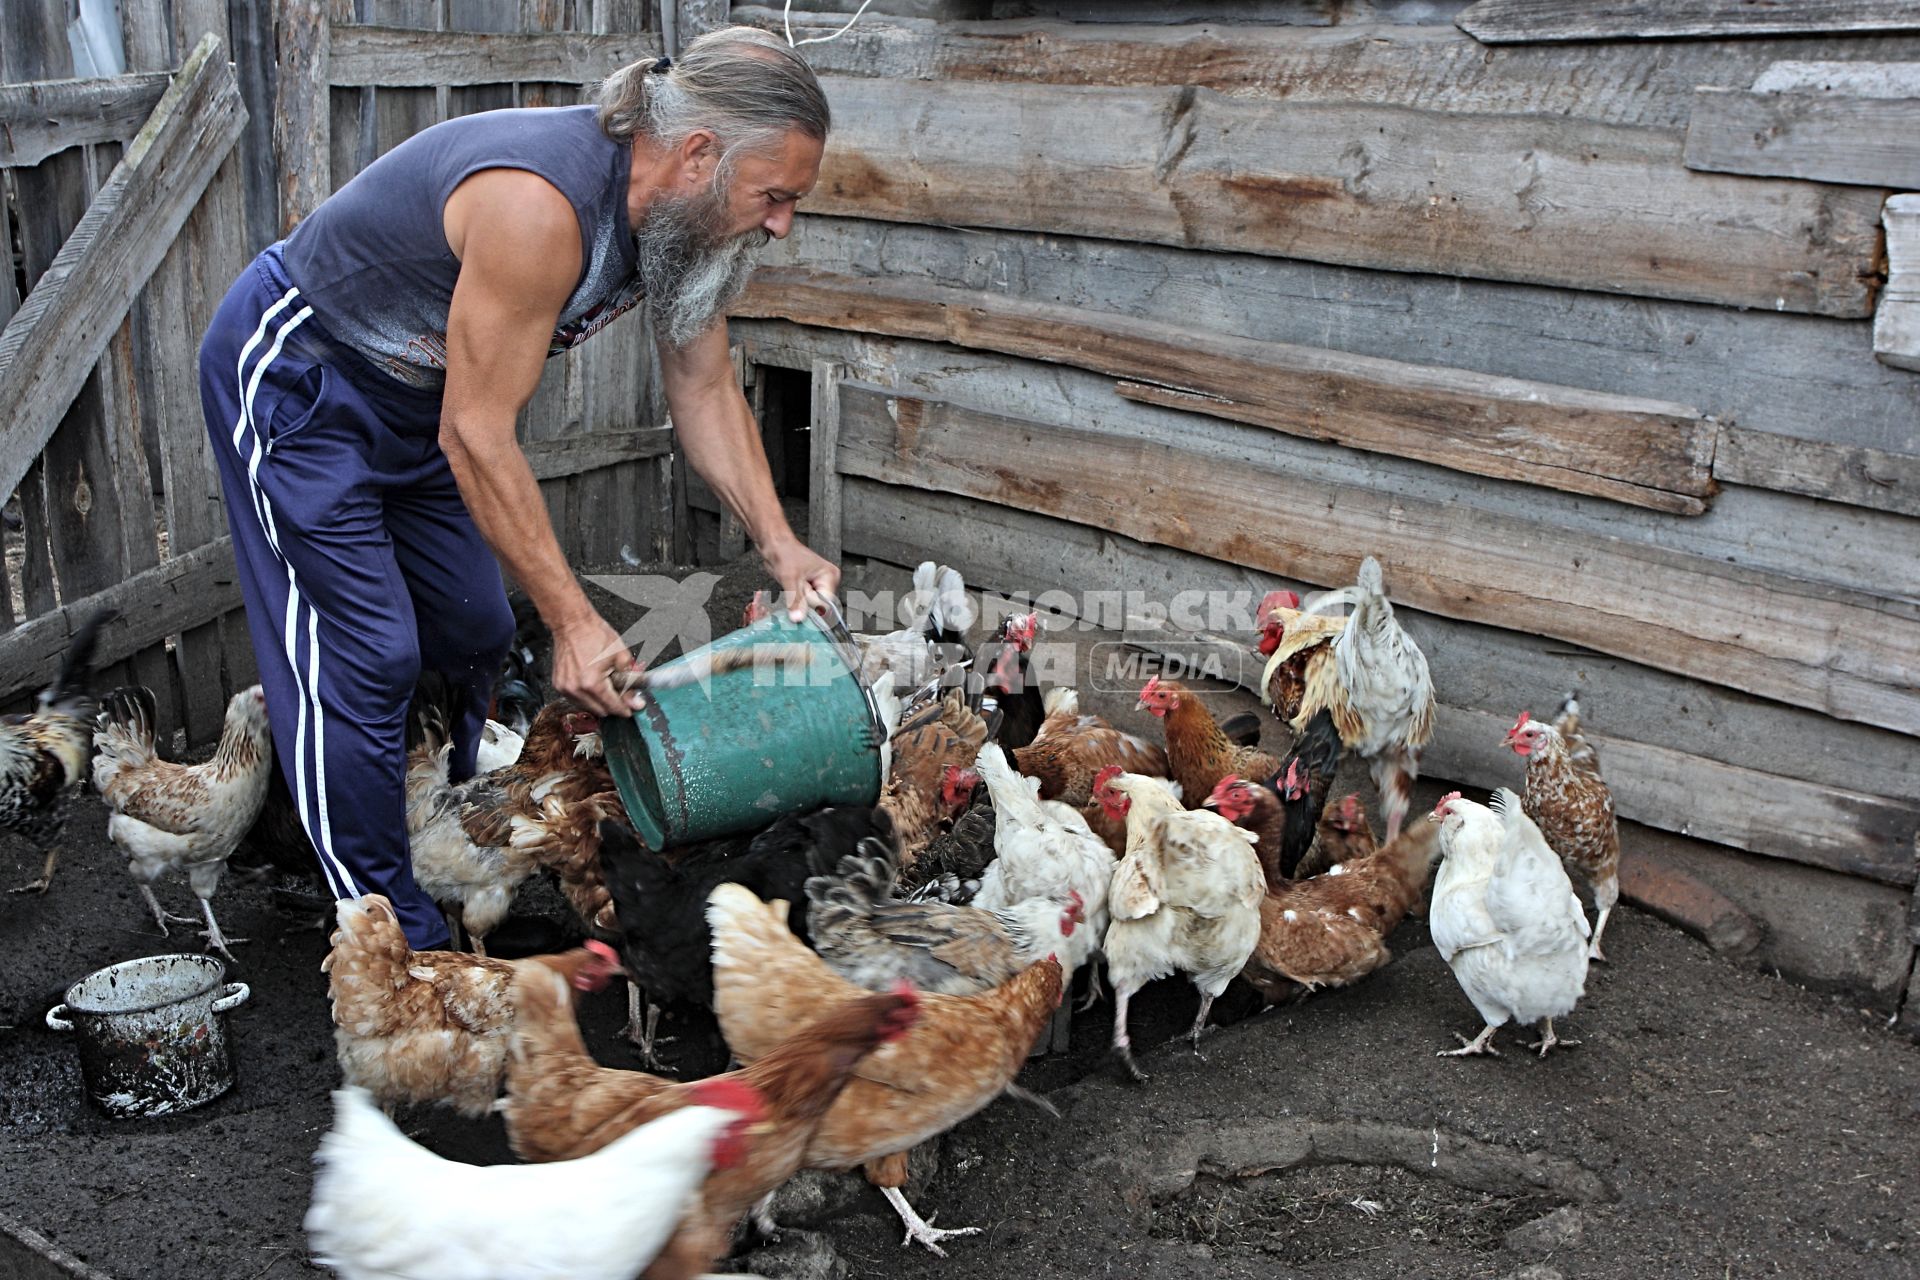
362, 377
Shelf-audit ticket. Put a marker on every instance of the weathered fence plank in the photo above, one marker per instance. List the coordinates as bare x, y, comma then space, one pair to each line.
1896, 325
1841, 652
1824, 137
1571, 203
1498, 21
60, 330
575, 455
302, 122
43, 118
1864, 477
1436, 68
398, 57
1641, 452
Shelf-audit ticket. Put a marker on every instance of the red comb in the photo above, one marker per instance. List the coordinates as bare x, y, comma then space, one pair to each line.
1107, 775
1521, 723
602, 950
729, 1094
1446, 800
1074, 899
1153, 683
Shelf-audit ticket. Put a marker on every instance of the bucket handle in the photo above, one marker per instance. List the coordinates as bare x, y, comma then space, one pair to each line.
236, 995
55, 1022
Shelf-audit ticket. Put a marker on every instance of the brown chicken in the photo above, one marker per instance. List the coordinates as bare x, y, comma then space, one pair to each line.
561, 1104
926, 787
1071, 749
43, 754
1199, 751
1343, 835
1106, 813
1329, 930
428, 1026
181, 817
1366, 671
961, 1055
1569, 801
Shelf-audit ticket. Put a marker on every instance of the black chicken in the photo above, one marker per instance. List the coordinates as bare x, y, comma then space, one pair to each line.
44, 753
660, 903
1303, 783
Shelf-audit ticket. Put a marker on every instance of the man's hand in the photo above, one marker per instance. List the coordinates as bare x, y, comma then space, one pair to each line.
586, 655
802, 574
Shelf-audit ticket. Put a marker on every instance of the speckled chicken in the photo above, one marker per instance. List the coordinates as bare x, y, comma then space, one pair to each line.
43, 754
1569, 801
929, 772
181, 817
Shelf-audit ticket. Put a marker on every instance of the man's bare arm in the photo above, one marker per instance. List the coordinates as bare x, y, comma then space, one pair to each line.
518, 242
721, 440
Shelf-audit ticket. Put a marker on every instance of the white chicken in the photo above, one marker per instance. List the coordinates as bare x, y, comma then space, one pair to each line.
1505, 919
169, 816
385, 1208
1185, 899
1043, 849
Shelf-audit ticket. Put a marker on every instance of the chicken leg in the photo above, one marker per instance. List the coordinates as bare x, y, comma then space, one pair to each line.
1200, 1027
1122, 1045
46, 875
1549, 1040
643, 1032
216, 941
921, 1229
1481, 1044
161, 915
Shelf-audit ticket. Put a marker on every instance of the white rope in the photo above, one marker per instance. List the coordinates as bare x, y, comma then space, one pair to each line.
786, 18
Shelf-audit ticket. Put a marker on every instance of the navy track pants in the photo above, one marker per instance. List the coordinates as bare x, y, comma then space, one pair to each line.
359, 564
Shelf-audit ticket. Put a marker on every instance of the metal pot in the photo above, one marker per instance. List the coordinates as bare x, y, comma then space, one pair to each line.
152, 1041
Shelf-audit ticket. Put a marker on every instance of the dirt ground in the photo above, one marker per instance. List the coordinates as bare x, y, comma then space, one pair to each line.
1713, 1122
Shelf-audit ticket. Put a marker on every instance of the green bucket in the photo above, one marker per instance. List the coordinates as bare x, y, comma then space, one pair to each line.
734, 753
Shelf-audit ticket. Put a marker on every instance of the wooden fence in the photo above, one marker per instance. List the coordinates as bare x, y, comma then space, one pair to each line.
1233, 307
135, 200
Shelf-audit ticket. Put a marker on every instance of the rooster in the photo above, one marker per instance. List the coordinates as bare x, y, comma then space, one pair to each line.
561, 1104
384, 1207
428, 1026
1002, 679
1071, 749
169, 817
1199, 751
961, 1054
1505, 919
1185, 899
1376, 683
43, 754
1569, 801
874, 940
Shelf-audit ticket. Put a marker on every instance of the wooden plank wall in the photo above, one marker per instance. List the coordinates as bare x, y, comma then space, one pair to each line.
123, 508
1081, 356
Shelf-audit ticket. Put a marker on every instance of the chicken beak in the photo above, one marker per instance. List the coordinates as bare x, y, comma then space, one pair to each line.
760, 1129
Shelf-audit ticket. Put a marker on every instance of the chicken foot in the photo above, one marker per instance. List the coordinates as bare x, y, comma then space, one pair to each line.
1593, 952
1479, 1045
1094, 993
1200, 1027
643, 1032
1549, 1040
921, 1229
46, 875
216, 941
1122, 1045
161, 915
762, 1217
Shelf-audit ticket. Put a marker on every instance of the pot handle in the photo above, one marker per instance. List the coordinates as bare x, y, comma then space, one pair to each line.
55, 1022
236, 995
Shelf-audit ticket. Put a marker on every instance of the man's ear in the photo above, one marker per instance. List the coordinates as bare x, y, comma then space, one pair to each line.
699, 154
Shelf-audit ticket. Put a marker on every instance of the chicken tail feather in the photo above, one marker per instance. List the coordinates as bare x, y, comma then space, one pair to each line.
67, 693
124, 735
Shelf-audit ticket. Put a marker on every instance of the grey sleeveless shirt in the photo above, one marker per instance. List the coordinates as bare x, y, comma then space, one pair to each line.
373, 260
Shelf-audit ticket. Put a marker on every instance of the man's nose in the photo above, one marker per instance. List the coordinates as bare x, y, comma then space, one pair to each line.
779, 222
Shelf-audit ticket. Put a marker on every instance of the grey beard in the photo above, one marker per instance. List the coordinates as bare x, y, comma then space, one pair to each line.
691, 278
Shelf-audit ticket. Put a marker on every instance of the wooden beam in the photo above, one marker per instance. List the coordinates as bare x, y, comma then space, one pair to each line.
576, 455
1637, 451
46, 117
1896, 325
1855, 79
302, 121
1838, 473
1433, 67
61, 329
825, 509
1841, 652
1782, 817
1509, 21
400, 57
1823, 137
177, 594
1568, 203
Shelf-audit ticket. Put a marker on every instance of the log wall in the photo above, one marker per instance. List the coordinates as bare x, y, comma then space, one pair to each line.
1156, 305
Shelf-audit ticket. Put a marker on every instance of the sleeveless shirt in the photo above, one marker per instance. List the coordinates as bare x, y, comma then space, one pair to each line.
373, 259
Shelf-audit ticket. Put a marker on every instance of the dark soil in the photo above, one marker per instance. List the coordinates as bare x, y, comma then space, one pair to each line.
1713, 1123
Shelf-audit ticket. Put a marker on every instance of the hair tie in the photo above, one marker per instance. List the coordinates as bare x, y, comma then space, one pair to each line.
661, 66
